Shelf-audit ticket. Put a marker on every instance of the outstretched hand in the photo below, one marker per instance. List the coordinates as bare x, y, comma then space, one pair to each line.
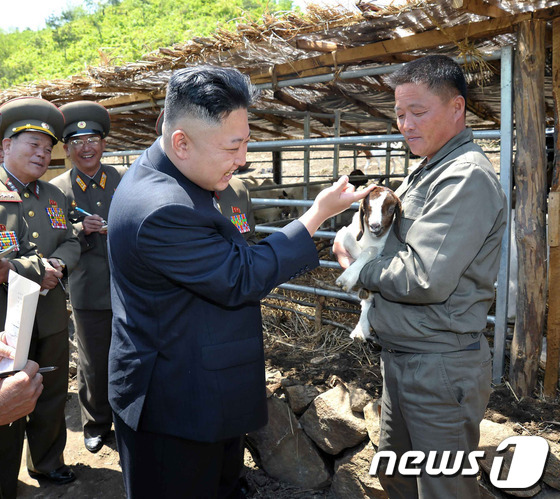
332, 201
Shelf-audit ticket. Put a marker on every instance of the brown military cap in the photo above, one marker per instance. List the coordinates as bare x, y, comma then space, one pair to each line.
31, 114
85, 117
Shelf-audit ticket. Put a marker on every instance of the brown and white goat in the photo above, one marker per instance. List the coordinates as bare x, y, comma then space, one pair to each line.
364, 239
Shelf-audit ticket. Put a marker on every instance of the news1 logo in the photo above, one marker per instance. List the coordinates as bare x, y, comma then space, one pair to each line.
526, 468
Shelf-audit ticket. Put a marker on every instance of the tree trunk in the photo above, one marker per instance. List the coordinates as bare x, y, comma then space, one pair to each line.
530, 181
553, 326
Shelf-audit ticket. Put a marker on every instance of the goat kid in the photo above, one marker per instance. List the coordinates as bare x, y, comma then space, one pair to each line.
364, 239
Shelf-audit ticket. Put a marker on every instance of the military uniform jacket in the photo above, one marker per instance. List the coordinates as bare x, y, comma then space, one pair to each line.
13, 229
89, 283
235, 204
186, 355
433, 293
45, 209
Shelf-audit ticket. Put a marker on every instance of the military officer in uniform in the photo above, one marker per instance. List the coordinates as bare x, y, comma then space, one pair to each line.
38, 123
235, 203
45, 208
89, 187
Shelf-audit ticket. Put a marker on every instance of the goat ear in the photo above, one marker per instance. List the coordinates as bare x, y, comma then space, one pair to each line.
362, 215
397, 221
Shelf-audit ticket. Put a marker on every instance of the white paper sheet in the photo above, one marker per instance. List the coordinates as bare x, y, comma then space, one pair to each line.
22, 305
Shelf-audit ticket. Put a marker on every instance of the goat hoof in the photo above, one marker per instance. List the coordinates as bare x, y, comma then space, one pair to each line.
358, 334
344, 284
363, 294
341, 283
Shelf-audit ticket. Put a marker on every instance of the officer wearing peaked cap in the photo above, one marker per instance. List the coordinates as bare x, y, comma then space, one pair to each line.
89, 187
85, 118
31, 114
30, 127
26, 159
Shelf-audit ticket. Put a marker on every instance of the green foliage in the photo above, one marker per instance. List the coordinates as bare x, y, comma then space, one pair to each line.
115, 32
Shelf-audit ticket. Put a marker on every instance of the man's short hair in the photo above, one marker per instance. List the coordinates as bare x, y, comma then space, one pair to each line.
209, 93
442, 75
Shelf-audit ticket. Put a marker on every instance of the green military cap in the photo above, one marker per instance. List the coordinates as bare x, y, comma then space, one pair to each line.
85, 117
31, 114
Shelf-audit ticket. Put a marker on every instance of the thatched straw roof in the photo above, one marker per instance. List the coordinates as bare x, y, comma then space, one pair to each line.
321, 41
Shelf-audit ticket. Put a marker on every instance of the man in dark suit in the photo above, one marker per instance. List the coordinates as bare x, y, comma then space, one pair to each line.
186, 365
234, 201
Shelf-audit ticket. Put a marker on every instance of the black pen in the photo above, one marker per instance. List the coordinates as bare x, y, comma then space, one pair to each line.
42, 370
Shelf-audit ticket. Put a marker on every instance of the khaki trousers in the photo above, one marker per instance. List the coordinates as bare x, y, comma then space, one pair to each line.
93, 331
46, 425
433, 402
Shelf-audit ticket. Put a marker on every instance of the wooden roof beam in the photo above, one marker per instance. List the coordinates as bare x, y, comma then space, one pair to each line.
316, 45
480, 7
362, 105
289, 100
274, 133
424, 40
481, 111
133, 98
276, 120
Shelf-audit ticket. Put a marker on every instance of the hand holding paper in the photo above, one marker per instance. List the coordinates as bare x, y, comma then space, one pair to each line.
6, 350
22, 304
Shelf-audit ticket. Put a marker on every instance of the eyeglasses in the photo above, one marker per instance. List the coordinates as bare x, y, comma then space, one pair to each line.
92, 141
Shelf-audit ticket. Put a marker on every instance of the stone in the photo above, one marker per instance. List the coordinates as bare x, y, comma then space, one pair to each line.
351, 475
330, 422
274, 381
373, 421
359, 398
491, 435
300, 396
286, 452
552, 469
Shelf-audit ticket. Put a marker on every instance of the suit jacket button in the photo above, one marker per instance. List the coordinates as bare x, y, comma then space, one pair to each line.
35, 235
31, 213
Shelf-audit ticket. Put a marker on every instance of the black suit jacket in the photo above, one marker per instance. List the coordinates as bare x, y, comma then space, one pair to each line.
186, 356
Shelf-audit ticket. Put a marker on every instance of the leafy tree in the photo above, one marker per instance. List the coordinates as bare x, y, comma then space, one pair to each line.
115, 32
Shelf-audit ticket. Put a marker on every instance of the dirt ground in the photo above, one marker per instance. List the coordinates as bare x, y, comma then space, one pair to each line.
303, 354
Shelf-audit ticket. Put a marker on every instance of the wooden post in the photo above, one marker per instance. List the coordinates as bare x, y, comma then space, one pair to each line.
553, 326
277, 167
319, 304
530, 181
